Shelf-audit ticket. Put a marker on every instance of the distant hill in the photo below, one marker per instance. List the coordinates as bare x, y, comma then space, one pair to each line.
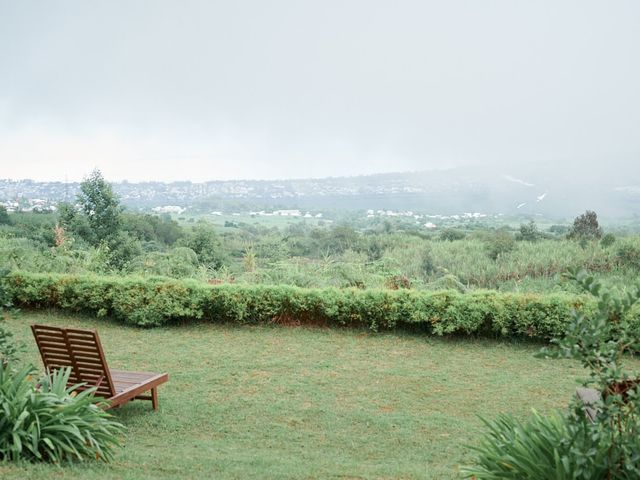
555, 190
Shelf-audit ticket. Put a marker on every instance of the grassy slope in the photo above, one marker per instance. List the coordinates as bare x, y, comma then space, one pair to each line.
307, 403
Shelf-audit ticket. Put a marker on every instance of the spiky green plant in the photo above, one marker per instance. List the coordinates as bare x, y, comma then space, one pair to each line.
47, 421
544, 447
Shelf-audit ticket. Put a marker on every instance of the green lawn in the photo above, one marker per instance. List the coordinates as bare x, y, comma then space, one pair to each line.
261, 402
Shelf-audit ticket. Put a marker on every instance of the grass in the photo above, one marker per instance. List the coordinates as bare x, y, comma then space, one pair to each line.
275, 402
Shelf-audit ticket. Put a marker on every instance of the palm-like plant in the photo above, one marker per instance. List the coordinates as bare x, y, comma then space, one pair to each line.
47, 421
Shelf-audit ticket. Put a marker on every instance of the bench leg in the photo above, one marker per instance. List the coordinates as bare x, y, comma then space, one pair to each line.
154, 398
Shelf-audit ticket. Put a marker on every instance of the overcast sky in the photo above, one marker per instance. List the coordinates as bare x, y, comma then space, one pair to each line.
172, 90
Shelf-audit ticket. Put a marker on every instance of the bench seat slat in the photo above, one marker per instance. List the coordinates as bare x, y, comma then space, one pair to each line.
81, 351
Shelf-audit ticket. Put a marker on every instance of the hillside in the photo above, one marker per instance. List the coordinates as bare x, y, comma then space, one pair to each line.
612, 189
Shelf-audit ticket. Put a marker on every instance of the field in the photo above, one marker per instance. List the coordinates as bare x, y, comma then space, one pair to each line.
275, 402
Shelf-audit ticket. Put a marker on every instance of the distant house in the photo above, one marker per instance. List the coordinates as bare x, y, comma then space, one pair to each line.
288, 213
169, 209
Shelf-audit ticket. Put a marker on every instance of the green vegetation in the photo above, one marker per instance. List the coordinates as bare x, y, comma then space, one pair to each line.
158, 301
290, 403
258, 402
571, 445
97, 236
46, 421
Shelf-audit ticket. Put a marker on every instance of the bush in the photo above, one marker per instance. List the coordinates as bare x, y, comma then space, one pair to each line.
542, 448
500, 243
451, 234
529, 232
628, 255
50, 422
585, 227
608, 240
158, 301
571, 446
9, 349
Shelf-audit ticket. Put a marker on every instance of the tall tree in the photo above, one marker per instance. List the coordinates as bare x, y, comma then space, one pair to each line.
101, 207
585, 227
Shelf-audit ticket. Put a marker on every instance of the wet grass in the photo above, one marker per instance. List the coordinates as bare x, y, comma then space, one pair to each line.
275, 402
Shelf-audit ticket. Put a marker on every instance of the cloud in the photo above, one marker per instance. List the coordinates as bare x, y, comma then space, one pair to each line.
212, 89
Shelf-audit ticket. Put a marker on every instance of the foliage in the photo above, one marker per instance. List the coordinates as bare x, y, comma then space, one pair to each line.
608, 240
544, 447
529, 232
571, 446
50, 422
427, 263
204, 241
9, 349
628, 255
451, 234
157, 301
306, 255
601, 341
585, 227
101, 208
5, 219
499, 244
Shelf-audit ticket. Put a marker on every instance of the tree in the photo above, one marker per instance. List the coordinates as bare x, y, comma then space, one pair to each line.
99, 221
101, 208
499, 244
4, 216
205, 242
585, 227
529, 232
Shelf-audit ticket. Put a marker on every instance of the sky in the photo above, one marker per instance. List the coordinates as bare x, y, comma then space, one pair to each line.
214, 90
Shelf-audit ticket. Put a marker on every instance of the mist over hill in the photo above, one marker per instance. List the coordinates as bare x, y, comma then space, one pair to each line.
554, 190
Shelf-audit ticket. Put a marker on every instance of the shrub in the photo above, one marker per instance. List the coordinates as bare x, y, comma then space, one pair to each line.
571, 446
628, 255
158, 301
500, 243
451, 234
585, 227
608, 240
529, 232
9, 349
50, 422
542, 448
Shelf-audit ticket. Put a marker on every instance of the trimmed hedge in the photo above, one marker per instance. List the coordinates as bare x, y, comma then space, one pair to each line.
159, 301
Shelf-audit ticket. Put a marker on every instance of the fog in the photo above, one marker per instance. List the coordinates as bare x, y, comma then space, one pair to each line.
165, 90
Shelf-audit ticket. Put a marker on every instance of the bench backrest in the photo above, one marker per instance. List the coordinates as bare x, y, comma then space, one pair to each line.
78, 349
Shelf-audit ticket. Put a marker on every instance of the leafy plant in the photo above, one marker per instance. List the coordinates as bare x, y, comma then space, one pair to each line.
9, 349
50, 422
600, 342
608, 240
628, 255
529, 232
571, 446
543, 447
500, 243
585, 227
157, 301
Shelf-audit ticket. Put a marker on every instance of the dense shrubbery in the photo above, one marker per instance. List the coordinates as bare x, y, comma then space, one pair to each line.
96, 235
156, 301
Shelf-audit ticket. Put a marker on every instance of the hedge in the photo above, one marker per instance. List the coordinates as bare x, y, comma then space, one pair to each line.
159, 301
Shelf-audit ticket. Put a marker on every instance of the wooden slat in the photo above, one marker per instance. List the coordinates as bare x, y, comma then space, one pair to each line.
82, 351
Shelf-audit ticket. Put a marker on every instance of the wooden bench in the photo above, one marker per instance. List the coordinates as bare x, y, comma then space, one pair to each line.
81, 351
